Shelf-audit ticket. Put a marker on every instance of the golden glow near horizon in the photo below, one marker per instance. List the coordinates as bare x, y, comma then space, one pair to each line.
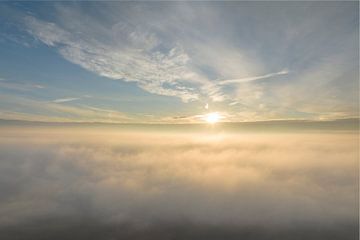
212, 118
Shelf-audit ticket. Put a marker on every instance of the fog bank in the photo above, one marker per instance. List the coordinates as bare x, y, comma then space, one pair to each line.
94, 184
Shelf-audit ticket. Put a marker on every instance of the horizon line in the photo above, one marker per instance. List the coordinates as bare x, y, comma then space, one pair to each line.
181, 123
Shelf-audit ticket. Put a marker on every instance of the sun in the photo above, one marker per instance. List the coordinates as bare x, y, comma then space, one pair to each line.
212, 117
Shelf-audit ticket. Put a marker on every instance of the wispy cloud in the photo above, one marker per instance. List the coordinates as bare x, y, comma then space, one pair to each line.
61, 100
19, 108
19, 86
250, 79
135, 60
39, 86
233, 103
153, 55
205, 53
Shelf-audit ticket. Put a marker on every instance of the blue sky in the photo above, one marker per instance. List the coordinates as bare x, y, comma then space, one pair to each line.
166, 61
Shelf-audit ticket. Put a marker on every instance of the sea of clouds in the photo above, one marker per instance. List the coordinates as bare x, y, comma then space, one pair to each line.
62, 183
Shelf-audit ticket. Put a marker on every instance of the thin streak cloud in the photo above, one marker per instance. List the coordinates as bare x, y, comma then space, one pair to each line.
19, 86
250, 79
62, 100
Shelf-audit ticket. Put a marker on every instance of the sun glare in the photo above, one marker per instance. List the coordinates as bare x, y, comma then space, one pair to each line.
212, 117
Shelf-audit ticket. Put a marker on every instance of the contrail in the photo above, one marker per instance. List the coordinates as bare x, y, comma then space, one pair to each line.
249, 79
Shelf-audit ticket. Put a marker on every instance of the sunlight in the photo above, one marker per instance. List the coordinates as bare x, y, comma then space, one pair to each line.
212, 118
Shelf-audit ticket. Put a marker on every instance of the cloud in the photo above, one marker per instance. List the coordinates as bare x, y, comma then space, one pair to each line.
19, 108
61, 100
146, 51
19, 86
135, 60
39, 86
233, 103
227, 185
249, 79
198, 51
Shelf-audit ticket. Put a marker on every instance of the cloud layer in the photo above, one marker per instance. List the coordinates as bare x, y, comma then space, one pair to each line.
161, 185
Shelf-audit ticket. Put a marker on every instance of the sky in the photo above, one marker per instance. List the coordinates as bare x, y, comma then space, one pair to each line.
175, 62
276, 82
